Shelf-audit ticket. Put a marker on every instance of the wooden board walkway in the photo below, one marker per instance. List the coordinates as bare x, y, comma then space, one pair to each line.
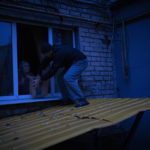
42, 129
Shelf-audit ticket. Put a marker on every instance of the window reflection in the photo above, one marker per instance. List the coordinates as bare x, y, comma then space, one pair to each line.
6, 76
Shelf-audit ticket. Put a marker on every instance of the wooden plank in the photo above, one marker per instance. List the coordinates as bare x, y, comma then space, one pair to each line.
42, 129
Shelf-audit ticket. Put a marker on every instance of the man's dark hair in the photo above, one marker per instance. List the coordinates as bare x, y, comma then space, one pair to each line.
46, 47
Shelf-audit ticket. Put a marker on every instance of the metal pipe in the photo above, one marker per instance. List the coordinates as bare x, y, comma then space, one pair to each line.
133, 130
124, 52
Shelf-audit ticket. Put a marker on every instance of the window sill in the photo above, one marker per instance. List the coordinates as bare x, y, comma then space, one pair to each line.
30, 100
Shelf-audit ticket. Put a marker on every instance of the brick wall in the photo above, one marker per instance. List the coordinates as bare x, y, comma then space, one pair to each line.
97, 80
93, 37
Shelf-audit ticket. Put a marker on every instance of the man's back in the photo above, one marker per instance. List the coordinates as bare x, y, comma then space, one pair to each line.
65, 56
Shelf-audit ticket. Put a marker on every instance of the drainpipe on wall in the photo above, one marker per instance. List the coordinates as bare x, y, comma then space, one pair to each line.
116, 91
124, 52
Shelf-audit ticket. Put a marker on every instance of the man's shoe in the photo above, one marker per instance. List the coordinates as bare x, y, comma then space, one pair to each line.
81, 102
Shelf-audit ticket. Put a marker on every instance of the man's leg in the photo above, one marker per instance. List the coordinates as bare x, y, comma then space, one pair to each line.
71, 79
62, 85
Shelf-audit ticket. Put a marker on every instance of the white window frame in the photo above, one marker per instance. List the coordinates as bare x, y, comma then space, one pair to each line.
16, 98
73, 38
13, 65
50, 41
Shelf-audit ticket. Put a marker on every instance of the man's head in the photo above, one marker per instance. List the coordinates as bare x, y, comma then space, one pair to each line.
47, 49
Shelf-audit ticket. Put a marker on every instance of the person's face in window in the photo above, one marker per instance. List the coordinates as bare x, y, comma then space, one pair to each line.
26, 68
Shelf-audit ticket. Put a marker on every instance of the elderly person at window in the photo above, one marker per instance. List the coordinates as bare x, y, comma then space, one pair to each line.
25, 77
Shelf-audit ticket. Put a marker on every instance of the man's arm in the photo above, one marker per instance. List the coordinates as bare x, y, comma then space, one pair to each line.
45, 63
50, 72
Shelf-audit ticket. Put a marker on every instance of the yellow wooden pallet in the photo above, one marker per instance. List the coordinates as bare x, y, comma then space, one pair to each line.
42, 129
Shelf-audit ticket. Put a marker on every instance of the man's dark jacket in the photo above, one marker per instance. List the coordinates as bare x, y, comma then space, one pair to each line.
63, 56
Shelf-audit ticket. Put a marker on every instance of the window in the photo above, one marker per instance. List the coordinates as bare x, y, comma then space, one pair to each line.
21, 43
6, 77
29, 40
62, 37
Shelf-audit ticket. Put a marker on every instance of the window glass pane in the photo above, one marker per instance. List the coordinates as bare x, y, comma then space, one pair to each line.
29, 41
61, 37
6, 76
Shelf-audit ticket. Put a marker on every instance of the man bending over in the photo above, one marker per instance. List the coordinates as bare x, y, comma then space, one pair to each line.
69, 63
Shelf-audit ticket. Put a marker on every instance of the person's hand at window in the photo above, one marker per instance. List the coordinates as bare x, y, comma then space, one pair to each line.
36, 82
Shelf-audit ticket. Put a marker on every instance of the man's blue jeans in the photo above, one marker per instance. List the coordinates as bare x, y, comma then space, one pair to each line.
68, 82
